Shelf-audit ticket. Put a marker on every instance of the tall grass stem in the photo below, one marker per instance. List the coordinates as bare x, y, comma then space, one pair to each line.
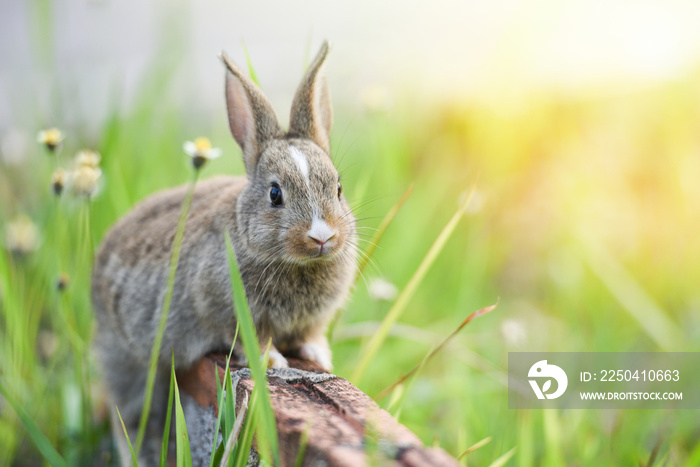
397, 309
233, 437
386, 222
435, 350
158, 341
268, 443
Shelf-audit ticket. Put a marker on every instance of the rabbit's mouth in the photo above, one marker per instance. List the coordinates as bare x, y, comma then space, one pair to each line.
322, 254
314, 244
325, 252
319, 254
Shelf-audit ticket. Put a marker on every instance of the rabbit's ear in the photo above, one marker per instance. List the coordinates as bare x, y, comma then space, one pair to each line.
250, 115
312, 115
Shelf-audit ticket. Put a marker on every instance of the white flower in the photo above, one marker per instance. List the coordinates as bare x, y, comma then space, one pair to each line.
200, 151
85, 180
513, 331
380, 289
87, 157
51, 137
21, 235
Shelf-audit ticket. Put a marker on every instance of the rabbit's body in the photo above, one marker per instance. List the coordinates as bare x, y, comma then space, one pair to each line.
286, 300
293, 234
131, 271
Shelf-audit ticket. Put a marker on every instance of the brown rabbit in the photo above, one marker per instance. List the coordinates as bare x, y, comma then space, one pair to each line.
294, 237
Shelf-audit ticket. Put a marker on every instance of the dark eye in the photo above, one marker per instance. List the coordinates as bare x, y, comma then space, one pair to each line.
276, 195
340, 189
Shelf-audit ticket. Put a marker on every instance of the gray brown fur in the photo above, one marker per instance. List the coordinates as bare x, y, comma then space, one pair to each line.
293, 285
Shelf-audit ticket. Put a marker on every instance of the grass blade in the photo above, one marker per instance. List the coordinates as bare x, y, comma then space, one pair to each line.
694, 457
406, 294
216, 452
251, 70
475, 446
655, 453
242, 451
184, 453
158, 341
267, 432
386, 222
554, 454
303, 442
134, 462
634, 299
233, 436
168, 415
215, 459
435, 350
40, 441
525, 439
229, 408
501, 461
307, 54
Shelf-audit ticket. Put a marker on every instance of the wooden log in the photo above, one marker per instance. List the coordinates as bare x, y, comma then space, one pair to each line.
345, 426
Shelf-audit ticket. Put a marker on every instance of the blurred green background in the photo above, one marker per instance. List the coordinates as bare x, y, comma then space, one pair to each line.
580, 120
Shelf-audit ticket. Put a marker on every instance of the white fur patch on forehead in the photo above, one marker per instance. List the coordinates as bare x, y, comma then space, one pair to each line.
301, 162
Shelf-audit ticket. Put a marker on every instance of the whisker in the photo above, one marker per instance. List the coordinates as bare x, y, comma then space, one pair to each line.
277, 256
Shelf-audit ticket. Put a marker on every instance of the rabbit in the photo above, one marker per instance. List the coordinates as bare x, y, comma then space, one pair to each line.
293, 233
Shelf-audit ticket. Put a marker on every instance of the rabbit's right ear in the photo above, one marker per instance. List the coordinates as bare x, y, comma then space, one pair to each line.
250, 115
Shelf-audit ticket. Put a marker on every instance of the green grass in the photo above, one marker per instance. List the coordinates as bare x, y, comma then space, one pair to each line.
585, 222
268, 444
40, 441
168, 418
158, 341
184, 453
375, 343
132, 452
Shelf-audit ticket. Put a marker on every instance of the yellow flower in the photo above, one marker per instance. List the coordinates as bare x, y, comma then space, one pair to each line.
21, 235
51, 137
88, 158
58, 181
201, 151
85, 180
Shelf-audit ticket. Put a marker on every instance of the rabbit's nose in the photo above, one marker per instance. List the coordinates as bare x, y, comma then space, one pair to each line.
320, 241
320, 232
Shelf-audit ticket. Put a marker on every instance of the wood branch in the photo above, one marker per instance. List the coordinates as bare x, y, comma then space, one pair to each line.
345, 426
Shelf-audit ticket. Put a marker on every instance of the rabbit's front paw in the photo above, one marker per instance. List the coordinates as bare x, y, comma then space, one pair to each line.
276, 360
317, 353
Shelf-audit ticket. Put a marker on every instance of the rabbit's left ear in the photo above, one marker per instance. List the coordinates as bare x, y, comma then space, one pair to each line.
312, 115
250, 115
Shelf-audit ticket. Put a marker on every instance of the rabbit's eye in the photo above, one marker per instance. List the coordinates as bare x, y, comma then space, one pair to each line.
340, 190
276, 195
